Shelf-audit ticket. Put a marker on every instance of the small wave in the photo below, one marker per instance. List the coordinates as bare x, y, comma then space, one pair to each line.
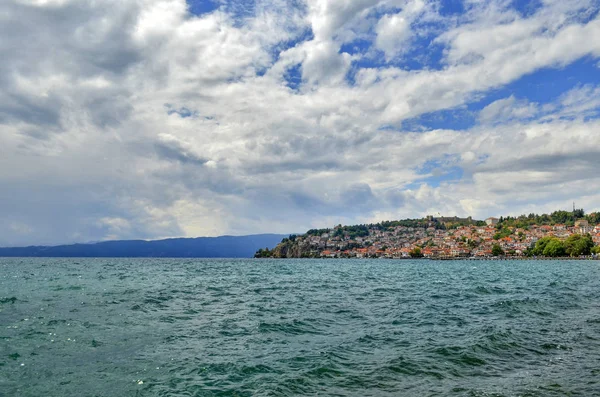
173, 319
158, 301
231, 369
554, 346
52, 323
324, 372
11, 300
481, 290
460, 356
408, 367
295, 327
516, 304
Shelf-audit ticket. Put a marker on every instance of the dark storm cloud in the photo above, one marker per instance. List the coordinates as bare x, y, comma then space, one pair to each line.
350, 200
175, 151
51, 49
88, 44
295, 166
79, 213
18, 107
584, 163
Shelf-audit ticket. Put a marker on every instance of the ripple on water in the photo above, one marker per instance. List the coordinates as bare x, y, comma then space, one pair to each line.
290, 327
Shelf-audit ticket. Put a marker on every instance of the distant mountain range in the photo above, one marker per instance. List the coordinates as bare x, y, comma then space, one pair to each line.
201, 247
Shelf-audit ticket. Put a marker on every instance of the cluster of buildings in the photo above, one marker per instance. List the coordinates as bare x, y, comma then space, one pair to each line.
463, 241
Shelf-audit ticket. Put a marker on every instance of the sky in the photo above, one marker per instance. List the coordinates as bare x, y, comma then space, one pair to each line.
145, 119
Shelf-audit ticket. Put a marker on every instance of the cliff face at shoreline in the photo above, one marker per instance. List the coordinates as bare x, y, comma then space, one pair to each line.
289, 249
285, 250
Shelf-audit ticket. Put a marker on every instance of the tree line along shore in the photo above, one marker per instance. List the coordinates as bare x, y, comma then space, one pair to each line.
561, 234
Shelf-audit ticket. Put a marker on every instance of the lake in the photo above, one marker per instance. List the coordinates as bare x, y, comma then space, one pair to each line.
203, 327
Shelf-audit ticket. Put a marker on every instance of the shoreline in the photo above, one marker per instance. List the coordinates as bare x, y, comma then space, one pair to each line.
457, 258
504, 258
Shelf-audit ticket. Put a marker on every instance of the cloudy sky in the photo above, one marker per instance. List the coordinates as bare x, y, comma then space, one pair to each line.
159, 118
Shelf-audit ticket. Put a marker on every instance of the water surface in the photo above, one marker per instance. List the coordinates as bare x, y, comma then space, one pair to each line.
150, 327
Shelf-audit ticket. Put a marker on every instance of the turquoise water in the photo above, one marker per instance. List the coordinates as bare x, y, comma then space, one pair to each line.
145, 327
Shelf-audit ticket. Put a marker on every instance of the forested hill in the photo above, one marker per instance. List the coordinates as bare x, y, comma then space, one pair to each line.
448, 236
201, 247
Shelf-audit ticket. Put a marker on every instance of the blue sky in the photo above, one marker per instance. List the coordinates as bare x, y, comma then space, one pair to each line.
162, 118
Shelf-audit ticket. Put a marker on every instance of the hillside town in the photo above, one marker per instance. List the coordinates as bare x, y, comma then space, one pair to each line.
435, 238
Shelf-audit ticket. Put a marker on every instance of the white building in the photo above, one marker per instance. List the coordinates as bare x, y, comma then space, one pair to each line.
583, 226
491, 221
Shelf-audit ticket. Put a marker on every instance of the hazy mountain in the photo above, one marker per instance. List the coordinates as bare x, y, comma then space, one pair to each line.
201, 247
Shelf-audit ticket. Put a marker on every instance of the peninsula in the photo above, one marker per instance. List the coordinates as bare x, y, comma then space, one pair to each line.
559, 234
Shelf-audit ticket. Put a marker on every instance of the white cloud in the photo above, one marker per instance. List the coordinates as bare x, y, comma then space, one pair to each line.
135, 119
581, 101
323, 64
394, 30
327, 17
392, 33
506, 110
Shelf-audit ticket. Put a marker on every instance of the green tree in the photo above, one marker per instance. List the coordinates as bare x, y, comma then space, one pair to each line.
497, 250
555, 248
504, 232
596, 250
317, 232
593, 218
577, 245
540, 245
263, 253
416, 253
